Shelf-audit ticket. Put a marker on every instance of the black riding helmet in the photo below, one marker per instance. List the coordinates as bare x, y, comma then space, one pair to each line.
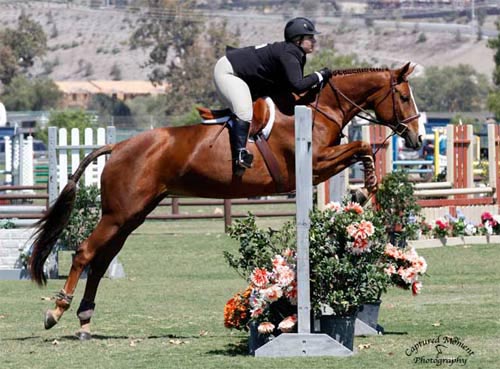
299, 27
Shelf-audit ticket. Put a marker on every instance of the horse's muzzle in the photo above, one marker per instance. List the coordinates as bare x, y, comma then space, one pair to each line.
413, 141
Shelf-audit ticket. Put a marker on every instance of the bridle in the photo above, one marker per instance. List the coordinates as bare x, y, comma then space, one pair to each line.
400, 127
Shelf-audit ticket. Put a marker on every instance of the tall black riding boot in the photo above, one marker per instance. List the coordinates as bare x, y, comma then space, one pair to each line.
242, 158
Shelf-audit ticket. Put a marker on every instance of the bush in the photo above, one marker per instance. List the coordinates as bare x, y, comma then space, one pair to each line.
83, 218
397, 206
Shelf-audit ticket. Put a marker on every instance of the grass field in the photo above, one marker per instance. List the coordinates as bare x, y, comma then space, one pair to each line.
167, 312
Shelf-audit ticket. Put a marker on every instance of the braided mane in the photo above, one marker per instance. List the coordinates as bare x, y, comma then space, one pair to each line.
341, 72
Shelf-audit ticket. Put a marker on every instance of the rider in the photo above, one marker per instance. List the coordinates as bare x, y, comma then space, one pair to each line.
245, 74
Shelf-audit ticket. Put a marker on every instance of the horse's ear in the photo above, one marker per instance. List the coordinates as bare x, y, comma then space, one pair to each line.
405, 71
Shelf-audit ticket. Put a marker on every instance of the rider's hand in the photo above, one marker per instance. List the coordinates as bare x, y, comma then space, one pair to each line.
326, 73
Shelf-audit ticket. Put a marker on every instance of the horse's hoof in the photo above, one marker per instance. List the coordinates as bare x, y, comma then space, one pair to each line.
50, 320
83, 336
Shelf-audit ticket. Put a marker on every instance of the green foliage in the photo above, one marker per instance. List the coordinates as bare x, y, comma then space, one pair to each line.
328, 57
173, 34
19, 47
193, 49
452, 89
340, 277
67, 119
494, 96
397, 206
107, 106
345, 271
7, 224
256, 246
83, 219
494, 43
148, 111
421, 38
25, 94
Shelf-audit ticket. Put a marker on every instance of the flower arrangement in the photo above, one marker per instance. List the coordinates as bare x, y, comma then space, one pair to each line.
404, 267
490, 224
441, 228
346, 248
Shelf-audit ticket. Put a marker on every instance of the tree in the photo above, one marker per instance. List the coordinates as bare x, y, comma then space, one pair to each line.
169, 29
67, 119
494, 96
20, 47
452, 89
172, 28
25, 94
328, 57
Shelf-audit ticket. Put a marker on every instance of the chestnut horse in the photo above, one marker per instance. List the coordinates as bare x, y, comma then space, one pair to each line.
188, 160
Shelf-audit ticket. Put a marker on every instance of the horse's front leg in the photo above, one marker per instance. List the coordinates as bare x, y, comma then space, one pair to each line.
334, 159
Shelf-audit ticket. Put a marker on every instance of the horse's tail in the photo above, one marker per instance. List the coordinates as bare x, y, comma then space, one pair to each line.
50, 227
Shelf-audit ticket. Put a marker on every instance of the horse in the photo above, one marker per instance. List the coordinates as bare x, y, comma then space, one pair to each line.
196, 161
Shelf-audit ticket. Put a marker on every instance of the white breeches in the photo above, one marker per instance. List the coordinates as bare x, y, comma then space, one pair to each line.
232, 90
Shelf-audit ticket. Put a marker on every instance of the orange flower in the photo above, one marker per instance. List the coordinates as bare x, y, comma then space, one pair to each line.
236, 311
355, 207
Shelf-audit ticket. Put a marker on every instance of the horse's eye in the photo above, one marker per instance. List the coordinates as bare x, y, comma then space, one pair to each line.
405, 98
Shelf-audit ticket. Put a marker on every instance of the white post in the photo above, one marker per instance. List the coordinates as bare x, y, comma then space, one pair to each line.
63, 158
27, 164
101, 160
450, 157
75, 153
304, 193
89, 141
303, 343
8, 160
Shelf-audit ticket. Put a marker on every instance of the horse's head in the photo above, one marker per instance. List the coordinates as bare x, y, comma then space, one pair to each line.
397, 108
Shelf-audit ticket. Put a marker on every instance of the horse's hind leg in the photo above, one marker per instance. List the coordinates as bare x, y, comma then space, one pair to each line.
107, 229
98, 267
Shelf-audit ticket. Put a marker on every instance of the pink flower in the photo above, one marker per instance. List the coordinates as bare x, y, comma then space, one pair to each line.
272, 293
259, 277
393, 252
420, 265
366, 229
352, 229
278, 261
288, 253
334, 206
285, 276
415, 288
256, 312
287, 324
390, 270
355, 207
266, 328
359, 246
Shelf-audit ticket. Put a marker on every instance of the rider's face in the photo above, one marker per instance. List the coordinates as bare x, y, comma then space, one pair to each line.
307, 44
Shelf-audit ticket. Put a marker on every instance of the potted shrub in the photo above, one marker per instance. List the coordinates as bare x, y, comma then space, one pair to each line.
346, 270
397, 206
346, 249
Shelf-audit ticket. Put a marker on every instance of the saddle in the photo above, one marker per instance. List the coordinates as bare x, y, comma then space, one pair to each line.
261, 115
260, 128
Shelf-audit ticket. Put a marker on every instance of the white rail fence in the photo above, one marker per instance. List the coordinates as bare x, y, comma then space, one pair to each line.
61, 154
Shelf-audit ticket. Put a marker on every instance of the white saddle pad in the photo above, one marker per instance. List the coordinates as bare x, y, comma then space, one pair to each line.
266, 131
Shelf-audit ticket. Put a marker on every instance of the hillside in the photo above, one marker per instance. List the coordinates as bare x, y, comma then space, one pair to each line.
86, 43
